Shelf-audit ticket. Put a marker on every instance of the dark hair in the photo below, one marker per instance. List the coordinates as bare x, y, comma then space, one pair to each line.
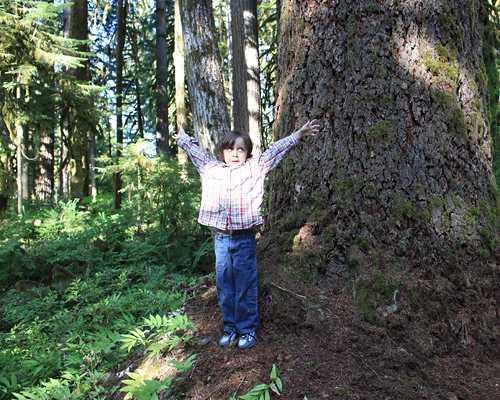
229, 139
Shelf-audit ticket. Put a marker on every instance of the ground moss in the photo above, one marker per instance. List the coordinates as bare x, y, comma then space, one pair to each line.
305, 265
380, 290
286, 240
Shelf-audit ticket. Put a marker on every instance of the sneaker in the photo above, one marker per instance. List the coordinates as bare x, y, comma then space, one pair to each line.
247, 340
228, 339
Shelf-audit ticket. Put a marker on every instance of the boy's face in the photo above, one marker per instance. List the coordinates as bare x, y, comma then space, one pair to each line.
235, 154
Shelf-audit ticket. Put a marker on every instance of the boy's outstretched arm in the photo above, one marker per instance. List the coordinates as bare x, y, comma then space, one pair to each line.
179, 134
190, 146
309, 129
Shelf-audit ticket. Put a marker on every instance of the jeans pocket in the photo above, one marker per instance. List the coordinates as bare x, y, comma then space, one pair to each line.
247, 258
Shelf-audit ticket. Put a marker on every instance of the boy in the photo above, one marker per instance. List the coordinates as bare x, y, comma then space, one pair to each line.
231, 202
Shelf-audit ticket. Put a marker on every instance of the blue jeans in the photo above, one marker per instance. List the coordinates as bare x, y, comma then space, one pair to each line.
236, 265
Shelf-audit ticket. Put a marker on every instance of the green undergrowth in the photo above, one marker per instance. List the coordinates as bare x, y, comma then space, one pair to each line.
85, 289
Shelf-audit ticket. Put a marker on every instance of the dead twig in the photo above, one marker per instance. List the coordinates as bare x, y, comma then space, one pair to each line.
194, 367
288, 291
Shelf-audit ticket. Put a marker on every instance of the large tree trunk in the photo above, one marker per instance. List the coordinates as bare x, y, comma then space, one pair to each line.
204, 73
399, 181
161, 80
246, 104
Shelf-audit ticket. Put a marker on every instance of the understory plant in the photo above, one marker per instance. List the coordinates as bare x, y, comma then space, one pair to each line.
77, 277
262, 391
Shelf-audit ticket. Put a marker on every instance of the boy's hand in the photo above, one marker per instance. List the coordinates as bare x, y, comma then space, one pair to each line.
309, 129
179, 134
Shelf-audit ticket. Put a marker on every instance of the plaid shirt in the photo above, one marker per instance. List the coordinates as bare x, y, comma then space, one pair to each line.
232, 196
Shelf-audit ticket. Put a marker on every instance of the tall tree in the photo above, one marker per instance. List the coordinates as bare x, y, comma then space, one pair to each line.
137, 73
245, 77
78, 139
399, 183
180, 83
25, 165
120, 39
204, 73
45, 176
63, 153
19, 160
161, 79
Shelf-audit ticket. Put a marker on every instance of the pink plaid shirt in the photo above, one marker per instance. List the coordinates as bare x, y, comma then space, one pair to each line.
232, 196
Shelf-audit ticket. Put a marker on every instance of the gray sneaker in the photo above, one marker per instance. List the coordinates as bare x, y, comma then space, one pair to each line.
247, 340
228, 339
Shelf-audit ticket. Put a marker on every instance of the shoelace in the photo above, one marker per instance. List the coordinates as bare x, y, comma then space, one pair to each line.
250, 335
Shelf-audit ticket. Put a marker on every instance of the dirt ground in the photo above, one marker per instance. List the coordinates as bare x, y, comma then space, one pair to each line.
317, 338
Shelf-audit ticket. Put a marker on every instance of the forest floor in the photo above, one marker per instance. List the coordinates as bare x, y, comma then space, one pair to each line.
317, 338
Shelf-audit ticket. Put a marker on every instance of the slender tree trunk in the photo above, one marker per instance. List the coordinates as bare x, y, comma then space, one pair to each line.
137, 68
246, 104
63, 164
19, 159
230, 59
93, 164
120, 34
204, 73
161, 80
64, 158
180, 101
398, 185
78, 134
25, 162
45, 181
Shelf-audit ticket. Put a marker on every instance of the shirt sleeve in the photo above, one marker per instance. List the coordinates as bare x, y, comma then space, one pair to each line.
272, 156
199, 158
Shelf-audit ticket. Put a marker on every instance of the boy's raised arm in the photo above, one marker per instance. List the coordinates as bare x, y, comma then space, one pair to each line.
180, 134
190, 146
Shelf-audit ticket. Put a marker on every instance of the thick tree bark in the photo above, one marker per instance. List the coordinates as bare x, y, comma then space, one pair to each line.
246, 104
204, 73
120, 35
399, 182
161, 80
